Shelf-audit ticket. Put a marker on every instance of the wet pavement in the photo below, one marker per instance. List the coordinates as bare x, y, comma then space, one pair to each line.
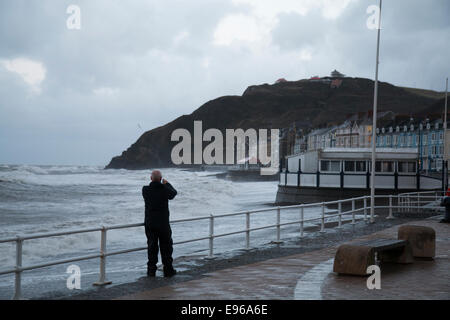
309, 276
301, 269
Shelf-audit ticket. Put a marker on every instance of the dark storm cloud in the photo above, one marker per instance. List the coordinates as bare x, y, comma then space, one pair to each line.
148, 62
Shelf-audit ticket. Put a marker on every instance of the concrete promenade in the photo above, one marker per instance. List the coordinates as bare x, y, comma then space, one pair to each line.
309, 276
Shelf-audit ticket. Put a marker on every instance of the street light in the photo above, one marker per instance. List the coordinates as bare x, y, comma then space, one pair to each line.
374, 126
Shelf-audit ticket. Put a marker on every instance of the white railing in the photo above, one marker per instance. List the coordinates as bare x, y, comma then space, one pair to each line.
404, 201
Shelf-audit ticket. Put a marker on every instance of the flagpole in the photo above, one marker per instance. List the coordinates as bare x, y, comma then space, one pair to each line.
445, 120
444, 156
374, 126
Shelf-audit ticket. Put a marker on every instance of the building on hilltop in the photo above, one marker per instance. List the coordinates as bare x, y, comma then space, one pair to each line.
337, 74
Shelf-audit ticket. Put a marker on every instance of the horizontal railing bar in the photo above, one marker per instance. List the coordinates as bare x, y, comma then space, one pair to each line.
2, 272
57, 262
191, 240
113, 253
190, 219
57, 234
230, 233
125, 226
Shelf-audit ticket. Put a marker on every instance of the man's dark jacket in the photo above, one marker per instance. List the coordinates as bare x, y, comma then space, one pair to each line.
156, 197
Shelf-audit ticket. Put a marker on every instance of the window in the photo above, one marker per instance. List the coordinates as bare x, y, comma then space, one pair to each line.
433, 137
410, 139
330, 166
441, 136
360, 166
335, 166
388, 140
403, 140
395, 140
407, 167
425, 139
441, 150
388, 166
384, 166
378, 166
355, 166
349, 166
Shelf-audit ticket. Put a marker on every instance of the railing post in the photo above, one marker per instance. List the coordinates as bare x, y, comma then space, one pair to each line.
211, 236
418, 202
247, 233
102, 280
353, 212
339, 215
302, 218
322, 227
365, 209
398, 202
409, 203
18, 279
390, 208
372, 213
278, 224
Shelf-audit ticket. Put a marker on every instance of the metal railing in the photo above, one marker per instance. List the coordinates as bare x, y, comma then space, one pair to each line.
404, 202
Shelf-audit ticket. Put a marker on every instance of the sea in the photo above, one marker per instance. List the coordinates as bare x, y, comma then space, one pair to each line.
42, 199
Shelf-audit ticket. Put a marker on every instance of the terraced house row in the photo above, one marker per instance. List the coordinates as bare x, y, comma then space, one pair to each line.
425, 136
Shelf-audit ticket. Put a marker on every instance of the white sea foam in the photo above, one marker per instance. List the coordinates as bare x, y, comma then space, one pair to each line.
37, 199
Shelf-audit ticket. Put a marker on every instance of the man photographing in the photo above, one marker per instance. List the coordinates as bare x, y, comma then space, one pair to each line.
157, 227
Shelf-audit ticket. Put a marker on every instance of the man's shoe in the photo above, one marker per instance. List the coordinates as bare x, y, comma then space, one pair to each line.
170, 273
151, 273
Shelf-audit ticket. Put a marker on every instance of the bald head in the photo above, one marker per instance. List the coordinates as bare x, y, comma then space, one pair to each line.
156, 176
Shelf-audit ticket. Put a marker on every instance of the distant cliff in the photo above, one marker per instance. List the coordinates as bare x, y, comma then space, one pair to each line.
308, 103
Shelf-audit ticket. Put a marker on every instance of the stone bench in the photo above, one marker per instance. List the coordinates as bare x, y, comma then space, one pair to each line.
413, 242
356, 257
422, 240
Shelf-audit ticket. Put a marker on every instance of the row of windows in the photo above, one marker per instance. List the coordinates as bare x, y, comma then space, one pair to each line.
411, 128
409, 139
361, 166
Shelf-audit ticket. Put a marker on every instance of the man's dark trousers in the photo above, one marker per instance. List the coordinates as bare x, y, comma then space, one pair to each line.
157, 227
159, 238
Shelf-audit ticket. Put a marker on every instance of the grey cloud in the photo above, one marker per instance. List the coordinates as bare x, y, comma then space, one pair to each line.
129, 47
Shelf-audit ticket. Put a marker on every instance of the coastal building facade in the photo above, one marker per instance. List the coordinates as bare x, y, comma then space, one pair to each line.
427, 136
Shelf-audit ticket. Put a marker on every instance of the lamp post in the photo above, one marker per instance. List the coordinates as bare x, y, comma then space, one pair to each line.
374, 126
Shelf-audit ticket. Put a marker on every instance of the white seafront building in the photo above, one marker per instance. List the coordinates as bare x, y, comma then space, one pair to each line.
350, 168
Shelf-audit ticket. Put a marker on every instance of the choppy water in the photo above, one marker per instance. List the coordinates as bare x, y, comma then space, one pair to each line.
36, 199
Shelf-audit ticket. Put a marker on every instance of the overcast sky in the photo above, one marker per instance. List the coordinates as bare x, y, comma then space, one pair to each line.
82, 96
